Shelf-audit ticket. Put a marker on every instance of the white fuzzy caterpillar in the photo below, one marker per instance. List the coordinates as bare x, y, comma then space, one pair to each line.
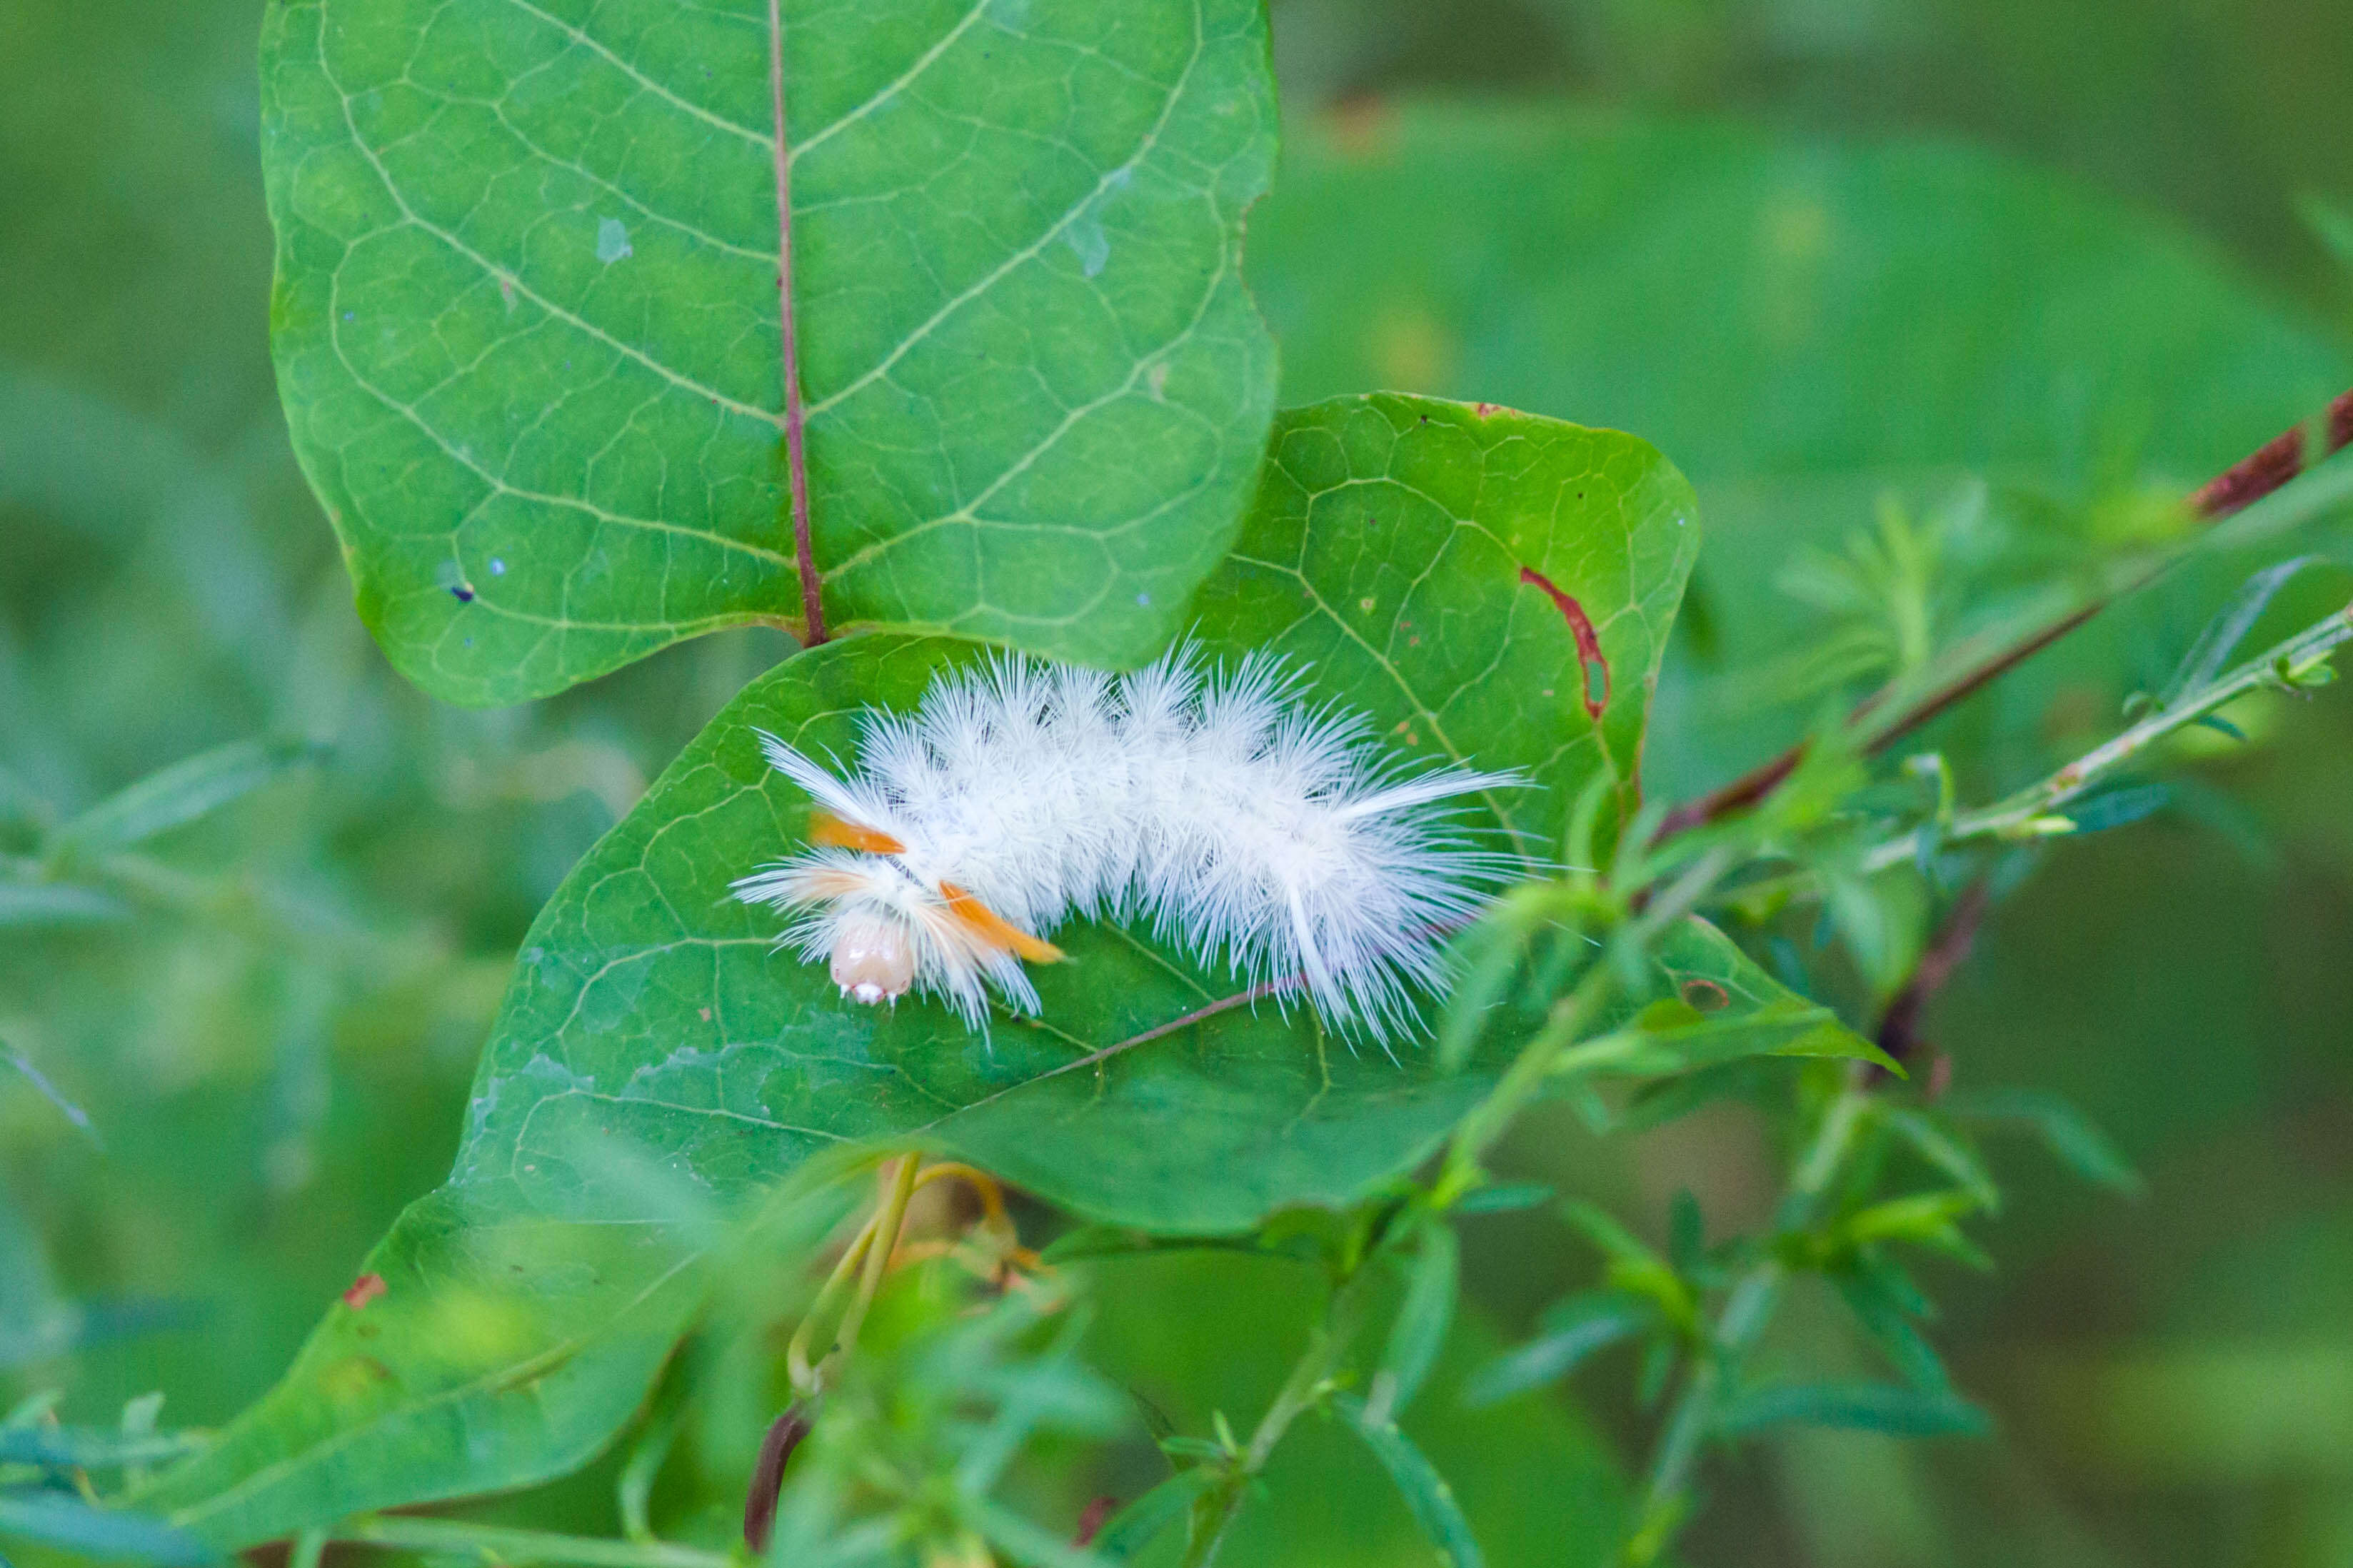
1019, 795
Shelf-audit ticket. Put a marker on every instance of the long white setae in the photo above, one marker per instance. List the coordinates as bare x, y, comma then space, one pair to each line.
1214, 803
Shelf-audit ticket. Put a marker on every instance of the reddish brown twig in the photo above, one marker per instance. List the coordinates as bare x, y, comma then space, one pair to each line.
795, 452
1899, 1025
2273, 464
2238, 487
1091, 1522
768, 1475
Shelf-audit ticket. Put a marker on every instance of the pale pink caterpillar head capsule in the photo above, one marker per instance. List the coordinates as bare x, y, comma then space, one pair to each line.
877, 913
872, 960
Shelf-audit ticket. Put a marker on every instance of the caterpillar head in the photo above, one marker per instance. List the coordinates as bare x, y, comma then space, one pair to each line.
884, 928
872, 960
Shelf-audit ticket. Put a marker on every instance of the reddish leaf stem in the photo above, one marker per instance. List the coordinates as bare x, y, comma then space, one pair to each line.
1899, 1025
796, 447
768, 1475
1092, 1521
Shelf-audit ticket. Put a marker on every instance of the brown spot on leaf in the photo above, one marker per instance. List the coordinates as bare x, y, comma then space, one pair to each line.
1706, 996
364, 1290
1589, 657
1488, 410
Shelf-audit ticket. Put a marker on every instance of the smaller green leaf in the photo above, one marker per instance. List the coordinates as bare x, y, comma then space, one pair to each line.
57, 1519
1833, 1039
2229, 628
1620, 1244
1504, 1199
1419, 1331
88, 1449
1854, 1406
1938, 1145
2221, 726
179, 794
1686, 1232
2118, 807
1885, 1307
2072, 1138
1139, 1524
1635, 1268
1426, 1496
51, 904
1573, 1329
1922, 1219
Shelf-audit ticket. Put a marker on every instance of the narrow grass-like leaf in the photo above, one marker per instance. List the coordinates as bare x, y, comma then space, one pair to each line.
1427, 1495
1428, 1311
179, 794
88, 1449
1941, 1149
61, 1520
1885, 1408
2070, 1136
1571, 1331
2230, 627
1140, 1523
36, 905
1506, 1198
2118, 807
1885, 1302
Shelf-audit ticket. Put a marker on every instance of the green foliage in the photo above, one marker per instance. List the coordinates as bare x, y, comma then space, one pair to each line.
651, 1008
539, 371
527, 318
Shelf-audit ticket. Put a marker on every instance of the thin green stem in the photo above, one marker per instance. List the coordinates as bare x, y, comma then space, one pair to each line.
1747, 1309
1309, 1383
1524, 1080
2029, 813
499, 1544
309, 1547
885, 1241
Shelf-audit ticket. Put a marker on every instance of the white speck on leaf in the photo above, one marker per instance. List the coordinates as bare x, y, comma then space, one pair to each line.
498, 567
612, 241
1094, 246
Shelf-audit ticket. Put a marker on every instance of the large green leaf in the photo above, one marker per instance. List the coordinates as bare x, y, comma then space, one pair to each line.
529, 337
1805, 326
652, 1024
1765, 306
1429, 560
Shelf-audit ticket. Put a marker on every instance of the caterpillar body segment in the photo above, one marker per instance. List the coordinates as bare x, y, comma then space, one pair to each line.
1212, 804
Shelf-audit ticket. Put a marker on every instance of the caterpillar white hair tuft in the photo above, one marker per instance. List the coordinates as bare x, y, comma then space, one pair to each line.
1213, 803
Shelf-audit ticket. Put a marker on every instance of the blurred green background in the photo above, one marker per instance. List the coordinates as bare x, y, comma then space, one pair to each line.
2015, 266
